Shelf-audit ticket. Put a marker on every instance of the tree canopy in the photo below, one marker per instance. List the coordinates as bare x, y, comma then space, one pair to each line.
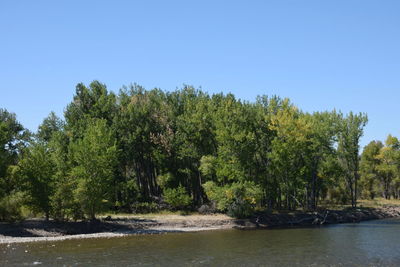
182, 149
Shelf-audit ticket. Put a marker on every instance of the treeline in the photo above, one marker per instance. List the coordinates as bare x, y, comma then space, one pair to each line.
142, 150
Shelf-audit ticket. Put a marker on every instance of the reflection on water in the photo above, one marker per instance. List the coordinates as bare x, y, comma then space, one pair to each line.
374, 243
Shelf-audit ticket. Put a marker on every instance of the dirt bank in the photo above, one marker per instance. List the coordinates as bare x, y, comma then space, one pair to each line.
40, 230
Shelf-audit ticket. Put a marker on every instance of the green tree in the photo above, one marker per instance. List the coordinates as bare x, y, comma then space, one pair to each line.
288, 155
12, 138
49, 126
37, 172
369, 169
89, 102
94, 159
319, 148
388, 167
351, 130
62, 201
144, 135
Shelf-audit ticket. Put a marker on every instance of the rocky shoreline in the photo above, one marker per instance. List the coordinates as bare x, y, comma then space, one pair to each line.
39, 230
321, 217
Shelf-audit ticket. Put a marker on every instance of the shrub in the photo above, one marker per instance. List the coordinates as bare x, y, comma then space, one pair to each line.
11, 207
240, 209
177, 197
218, 195
238, 199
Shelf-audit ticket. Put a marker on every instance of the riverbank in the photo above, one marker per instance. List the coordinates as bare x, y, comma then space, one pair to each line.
34, 230
321, 217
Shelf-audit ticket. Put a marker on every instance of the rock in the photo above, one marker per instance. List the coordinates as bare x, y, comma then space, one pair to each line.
245, 225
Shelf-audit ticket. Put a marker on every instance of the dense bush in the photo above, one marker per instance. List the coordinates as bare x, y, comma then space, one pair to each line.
11, 207
238, 199
177, 197
240, 209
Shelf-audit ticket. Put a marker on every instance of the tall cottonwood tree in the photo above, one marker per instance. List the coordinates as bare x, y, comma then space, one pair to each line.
351, 130
94, 159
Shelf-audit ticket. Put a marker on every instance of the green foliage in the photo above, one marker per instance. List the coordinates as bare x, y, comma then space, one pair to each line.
62, 201
94, 157
12, 140
130, 151
165, 180
177, 197
380, 169
50, 125
217, 194
208, 166
351, 130
238, 199
11, 207
369, 169
37, 172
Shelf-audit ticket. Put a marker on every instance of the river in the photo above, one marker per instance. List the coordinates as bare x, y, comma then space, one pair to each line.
372, 243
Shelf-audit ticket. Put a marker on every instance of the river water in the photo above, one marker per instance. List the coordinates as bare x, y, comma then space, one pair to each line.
372, 243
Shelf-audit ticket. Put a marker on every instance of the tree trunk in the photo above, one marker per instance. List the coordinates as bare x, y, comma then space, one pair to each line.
355, 187
313, 190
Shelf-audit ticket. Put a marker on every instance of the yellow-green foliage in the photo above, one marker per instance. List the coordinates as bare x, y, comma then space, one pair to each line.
244, 196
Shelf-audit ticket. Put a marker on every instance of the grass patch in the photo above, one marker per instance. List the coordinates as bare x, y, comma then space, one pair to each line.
378, 202
148, 215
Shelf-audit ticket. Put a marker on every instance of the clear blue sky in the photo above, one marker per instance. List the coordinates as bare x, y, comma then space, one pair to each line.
321, 54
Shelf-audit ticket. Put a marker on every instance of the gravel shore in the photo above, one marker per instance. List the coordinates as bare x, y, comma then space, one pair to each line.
34, 230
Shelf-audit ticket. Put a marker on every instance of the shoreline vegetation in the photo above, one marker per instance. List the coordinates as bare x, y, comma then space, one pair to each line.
147, 151
41, 230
